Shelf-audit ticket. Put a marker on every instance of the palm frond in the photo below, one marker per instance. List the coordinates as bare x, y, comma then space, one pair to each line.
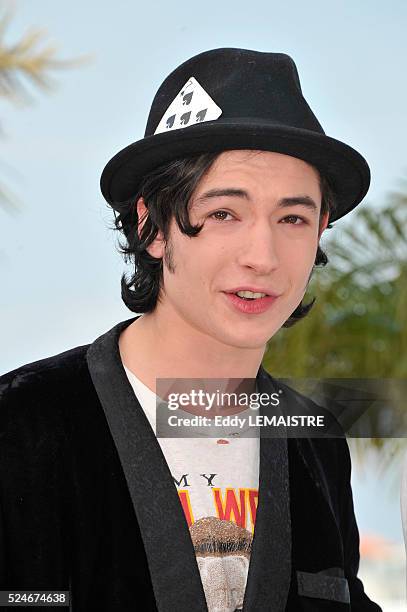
23, 63
25, 59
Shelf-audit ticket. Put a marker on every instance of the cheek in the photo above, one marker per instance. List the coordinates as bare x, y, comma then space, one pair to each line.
300, 245
296, 266
195, 266
298, 260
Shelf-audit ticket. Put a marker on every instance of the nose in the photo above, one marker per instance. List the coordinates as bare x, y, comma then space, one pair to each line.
258, 249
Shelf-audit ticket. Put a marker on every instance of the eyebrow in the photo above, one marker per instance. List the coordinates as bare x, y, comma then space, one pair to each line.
300, 200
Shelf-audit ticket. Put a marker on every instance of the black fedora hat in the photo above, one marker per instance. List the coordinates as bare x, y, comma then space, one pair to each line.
226, 99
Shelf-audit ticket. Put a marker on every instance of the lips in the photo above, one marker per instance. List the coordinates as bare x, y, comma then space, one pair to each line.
265, 290
254, 307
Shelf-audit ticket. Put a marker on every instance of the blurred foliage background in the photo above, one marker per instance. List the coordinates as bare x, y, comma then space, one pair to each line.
25, 65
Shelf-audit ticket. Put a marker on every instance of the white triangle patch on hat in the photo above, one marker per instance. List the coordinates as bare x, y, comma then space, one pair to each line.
192, 105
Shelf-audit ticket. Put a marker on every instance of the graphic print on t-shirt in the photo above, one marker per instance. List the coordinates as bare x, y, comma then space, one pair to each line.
222, 540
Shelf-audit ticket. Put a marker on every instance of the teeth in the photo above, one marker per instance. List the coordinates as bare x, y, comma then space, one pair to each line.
250, 294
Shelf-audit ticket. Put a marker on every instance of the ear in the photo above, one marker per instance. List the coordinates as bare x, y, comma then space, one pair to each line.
156, 248
323, 224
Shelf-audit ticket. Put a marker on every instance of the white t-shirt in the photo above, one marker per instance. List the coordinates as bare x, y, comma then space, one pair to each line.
217, 480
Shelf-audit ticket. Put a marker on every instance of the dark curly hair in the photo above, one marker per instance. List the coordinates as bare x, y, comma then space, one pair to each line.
167, 191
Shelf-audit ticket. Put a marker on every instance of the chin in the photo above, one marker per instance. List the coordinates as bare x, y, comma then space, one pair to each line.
244, 340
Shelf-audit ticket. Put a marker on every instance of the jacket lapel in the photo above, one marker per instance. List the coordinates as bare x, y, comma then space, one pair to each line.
312, 475
304, 446
269, 575
168, 545
171, 557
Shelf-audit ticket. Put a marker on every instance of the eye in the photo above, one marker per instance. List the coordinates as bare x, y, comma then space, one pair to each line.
304, 221
219, 212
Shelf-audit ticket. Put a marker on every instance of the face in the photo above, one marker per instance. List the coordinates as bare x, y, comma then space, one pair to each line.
255, 235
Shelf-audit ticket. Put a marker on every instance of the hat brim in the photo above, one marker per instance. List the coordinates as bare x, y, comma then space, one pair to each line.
346, 170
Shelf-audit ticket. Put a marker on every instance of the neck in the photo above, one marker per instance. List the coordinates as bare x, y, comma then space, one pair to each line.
161, 345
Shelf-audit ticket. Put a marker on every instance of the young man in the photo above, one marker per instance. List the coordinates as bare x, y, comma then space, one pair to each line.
222, 205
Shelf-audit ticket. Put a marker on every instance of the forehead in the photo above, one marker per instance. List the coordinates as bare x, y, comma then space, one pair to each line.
263, 165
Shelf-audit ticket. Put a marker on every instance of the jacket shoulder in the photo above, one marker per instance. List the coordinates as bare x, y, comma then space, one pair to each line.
294, 403
35, 378
41, 404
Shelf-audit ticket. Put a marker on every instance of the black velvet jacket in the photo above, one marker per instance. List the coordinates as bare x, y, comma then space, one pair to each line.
88, 503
